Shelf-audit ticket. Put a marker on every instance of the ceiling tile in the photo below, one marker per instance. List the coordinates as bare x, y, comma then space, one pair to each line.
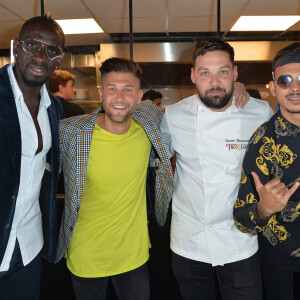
121, 25
149, 16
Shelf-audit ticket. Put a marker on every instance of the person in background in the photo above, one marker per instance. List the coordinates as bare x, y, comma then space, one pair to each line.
62, 85
29, 158
154, 96
209, 135
105, 160
254, 93
269, 206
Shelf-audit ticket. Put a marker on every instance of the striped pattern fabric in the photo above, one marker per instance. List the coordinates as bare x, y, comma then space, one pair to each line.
75, 140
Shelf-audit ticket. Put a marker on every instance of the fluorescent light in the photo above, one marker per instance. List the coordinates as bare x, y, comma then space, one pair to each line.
264, 23
79, 26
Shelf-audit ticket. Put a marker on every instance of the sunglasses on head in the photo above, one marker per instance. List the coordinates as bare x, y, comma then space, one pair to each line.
33, 46
284, 81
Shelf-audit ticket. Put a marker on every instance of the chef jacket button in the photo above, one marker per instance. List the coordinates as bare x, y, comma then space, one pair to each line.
209, 203
7, 226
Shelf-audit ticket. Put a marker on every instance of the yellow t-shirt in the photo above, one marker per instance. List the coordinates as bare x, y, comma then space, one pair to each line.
111, 233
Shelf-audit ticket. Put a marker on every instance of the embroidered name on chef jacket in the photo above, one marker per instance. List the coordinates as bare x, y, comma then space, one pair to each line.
236, 144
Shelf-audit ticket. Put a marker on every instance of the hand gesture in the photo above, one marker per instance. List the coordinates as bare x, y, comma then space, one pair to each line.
274, 195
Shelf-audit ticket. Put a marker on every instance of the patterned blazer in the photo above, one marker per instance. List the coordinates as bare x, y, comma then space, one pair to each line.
75, 140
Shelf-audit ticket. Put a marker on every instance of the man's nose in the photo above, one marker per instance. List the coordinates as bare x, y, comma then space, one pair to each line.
214, 79
41, 54
120, 93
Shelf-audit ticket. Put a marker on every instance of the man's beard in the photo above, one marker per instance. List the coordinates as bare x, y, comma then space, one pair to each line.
35, 81
296, 109
216, 102
118, 119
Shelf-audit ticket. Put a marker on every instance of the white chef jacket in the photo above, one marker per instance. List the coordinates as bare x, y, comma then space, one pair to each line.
209, 148
27, 221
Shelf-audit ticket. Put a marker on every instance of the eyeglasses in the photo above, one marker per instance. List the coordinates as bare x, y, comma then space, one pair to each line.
284, 81
33, 46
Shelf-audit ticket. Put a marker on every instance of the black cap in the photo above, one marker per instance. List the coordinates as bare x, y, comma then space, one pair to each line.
288, 55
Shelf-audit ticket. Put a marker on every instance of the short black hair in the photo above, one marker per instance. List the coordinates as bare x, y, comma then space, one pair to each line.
151, 95
121, 65
287, 55
43, 20
212, 44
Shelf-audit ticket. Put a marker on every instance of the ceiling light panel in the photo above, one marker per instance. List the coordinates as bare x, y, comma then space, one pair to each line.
79, 26
264, 23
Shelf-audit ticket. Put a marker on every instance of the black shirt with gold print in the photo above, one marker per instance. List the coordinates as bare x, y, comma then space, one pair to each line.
273, 152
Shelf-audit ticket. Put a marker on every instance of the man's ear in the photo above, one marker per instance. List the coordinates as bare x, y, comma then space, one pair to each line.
272, 88
193, 75
16, 46
140, 96
61, 88
235, 73
100, 91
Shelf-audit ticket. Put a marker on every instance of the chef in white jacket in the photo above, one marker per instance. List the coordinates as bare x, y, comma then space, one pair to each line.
209, 135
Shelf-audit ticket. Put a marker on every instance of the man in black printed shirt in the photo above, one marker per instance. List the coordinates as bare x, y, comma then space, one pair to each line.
268, 202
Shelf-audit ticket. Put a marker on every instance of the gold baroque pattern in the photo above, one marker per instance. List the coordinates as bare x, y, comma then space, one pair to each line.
297, 211
241, 203
278, 230
257, 135
281, 122
262, 165
277, 154
243, 177
284, 128
244, 229
240, 226
273, 225
258, 228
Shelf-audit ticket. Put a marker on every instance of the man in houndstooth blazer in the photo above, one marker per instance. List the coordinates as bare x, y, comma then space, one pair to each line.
75, 138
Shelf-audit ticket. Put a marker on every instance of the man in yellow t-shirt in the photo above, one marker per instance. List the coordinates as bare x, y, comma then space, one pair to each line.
105, 160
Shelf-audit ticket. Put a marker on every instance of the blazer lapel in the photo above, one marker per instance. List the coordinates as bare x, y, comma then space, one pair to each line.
9, 120
83, 141
54, 126
151, 130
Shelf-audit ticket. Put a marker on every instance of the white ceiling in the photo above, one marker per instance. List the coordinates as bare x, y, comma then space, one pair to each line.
154, 17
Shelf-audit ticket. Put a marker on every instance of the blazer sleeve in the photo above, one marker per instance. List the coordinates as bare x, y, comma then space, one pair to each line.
166, 134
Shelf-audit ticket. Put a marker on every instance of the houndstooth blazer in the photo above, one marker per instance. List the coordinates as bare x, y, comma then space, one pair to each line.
75, 140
